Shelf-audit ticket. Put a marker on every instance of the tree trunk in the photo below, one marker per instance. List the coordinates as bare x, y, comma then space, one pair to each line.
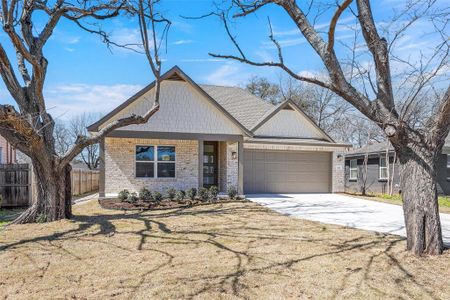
54, 197
420, 202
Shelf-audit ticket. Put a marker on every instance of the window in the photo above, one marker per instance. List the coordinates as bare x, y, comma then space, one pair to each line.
155, 160
166, 161
145, 161
383, 173
353, 169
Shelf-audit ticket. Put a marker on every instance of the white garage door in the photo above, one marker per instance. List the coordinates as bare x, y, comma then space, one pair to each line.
286, 172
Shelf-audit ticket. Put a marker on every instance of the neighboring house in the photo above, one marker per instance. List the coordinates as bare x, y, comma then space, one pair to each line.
379, 170
207, 135
7, 152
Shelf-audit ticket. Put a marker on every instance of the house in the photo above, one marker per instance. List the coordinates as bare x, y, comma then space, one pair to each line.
206, 135
7, 152
377, 173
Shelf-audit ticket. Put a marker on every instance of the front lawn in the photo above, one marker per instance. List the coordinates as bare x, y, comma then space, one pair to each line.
225, 250
444, 201
7, 215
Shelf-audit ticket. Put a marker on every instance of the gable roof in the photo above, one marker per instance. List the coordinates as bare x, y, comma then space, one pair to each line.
295, 107
244, 109
174, 73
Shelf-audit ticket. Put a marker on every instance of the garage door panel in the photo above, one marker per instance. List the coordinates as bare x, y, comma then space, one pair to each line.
286, 171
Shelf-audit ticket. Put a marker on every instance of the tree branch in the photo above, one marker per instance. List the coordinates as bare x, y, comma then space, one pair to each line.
379, 49
83, 141
441, 128
333, 23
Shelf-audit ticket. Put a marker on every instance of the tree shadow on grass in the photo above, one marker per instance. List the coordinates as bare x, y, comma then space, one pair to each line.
245, 261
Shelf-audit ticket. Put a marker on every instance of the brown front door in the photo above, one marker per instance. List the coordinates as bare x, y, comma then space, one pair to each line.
210, 164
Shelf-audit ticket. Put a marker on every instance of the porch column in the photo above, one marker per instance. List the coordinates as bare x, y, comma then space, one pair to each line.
241, 168
200, 163
101, 179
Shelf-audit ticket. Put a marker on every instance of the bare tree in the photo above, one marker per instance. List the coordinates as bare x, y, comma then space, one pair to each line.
263, 88
63, 138
370, 85
78, 127
30, 127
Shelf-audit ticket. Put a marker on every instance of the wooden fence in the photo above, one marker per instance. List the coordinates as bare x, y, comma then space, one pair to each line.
84, 181
17, 184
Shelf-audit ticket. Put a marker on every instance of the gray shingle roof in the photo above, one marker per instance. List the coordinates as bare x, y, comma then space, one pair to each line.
241, 104
372, 148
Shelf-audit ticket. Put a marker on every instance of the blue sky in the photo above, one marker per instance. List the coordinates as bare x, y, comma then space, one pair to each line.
84, 76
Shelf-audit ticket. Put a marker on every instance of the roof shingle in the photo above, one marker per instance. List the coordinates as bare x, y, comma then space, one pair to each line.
240, 103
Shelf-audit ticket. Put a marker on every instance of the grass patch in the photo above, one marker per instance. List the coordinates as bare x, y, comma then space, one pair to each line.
444, 201
224, 250
7, 215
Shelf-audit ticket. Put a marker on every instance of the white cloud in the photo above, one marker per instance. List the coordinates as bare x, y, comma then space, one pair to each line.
64, 101
264, 55
127, 36
319, 26
183, 42
229, 74
284, 43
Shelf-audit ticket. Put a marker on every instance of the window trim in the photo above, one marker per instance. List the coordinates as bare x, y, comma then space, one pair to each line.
355, 168
155, 162
381, 168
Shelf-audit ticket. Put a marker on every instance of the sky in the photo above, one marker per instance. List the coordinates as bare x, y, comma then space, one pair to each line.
85, 76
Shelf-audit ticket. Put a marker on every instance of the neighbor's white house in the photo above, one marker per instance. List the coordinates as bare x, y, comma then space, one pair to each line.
207, 135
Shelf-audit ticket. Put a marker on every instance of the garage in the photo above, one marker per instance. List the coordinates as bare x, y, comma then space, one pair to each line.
286, 172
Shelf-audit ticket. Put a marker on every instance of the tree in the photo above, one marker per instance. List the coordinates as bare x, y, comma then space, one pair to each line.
78, 127
263, 88
367, 81
29, 127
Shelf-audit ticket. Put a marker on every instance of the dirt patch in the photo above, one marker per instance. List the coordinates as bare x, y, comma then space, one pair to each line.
114, 203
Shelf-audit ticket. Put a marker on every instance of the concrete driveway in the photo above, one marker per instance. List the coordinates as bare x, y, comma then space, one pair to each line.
344, 210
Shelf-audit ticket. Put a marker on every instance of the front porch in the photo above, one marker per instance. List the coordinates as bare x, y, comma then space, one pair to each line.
162, 161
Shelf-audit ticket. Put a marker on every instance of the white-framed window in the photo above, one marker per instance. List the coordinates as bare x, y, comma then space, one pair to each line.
383, 169
353, 169
155, 161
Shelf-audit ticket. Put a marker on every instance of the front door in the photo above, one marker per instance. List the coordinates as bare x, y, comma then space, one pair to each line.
210, 160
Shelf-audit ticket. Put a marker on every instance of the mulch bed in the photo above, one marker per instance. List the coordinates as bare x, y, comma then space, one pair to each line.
114, 203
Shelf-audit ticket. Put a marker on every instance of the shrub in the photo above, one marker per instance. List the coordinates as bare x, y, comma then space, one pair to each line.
157, 196
132, 198
232, 192
145, 194
171, 193
123, 195
180, 195
191, 193
213, 191
203, 193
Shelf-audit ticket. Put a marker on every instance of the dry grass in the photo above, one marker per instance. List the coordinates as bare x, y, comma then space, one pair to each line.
229, 251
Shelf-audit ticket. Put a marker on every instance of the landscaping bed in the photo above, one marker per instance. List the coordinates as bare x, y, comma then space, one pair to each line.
115, 203
172, 198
